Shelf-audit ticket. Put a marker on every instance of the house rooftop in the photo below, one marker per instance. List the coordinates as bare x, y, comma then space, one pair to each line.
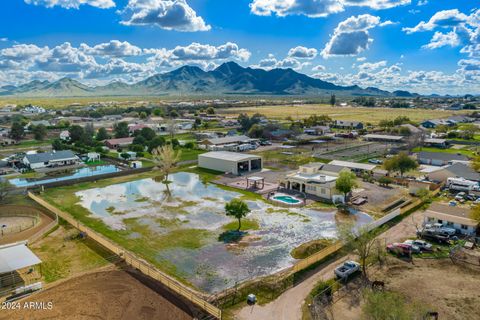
16, 256
383, 136
449, 210
50, 156
464, 171
445, 156
353, 165
120, 140
229, 156
228, 139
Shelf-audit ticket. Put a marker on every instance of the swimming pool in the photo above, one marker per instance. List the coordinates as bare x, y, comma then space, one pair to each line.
286, 199
72, 174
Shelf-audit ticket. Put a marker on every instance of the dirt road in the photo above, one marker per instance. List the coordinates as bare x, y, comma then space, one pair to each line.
288, 306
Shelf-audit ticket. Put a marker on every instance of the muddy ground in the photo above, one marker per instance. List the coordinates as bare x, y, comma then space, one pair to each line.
105, 295
440, 285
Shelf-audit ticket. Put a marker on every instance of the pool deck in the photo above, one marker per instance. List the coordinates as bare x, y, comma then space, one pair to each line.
240, 182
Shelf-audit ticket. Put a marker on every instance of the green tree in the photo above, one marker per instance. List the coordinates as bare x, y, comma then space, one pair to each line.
58, 144
143, 115
210, 110
256, 131
76, 133
158, 141
17, 131
346, 181
385, 181
238, 209
39, 132
333, 100
102, 134
158, 112
401, 162
121, 129
475, 213
147, 133
476, 163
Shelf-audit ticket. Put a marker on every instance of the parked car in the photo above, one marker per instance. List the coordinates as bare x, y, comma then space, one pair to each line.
265, 143
442, 229
347, 269
471, 197
434, 235
402, 249
375, 161
420, 244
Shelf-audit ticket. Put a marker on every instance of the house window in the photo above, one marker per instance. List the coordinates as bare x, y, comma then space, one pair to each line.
450, 224
430, 219
440, 221
322, 191
464, 227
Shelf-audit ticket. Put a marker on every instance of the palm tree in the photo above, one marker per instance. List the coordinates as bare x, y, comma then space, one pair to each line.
166, 159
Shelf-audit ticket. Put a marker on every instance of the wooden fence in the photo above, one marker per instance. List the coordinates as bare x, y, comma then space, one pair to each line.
134, 261
322, 254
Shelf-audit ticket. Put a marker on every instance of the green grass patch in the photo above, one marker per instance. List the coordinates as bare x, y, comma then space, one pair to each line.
247, 224
307, 249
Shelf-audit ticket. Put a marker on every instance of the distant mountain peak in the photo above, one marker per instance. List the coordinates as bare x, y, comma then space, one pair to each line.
227, 78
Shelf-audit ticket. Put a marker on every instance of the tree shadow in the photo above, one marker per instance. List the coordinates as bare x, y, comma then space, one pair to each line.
231, 236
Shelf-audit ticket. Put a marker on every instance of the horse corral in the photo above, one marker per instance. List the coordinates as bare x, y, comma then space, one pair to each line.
18, 222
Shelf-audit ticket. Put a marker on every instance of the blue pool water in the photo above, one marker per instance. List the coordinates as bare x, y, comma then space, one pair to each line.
286, 199
73, 174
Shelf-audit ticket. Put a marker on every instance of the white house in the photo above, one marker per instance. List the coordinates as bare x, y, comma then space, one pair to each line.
51, 159
451, 217
316, 179
64, 135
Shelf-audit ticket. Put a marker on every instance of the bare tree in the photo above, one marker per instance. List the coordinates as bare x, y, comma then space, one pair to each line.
166, 159
361, 242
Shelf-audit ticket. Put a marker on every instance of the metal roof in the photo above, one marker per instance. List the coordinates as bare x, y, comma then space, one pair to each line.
229, 156
445, 156
383, 136
16, 256
353, 165
50, 156
228, 139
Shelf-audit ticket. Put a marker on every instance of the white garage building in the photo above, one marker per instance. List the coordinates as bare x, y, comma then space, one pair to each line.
231, 162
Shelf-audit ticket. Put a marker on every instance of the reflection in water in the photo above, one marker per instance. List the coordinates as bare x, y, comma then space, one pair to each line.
68, 175
197, 205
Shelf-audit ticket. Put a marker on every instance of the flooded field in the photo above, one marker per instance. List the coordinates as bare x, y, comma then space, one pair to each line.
180, 232
63, 175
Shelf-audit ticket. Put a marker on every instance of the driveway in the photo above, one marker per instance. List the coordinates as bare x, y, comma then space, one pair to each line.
288, 306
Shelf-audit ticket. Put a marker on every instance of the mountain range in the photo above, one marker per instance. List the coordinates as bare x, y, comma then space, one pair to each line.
227, 79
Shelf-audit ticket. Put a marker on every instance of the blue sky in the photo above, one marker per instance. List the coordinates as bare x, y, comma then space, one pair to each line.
418, 45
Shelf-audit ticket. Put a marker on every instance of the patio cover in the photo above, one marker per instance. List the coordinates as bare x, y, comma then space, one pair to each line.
16, 256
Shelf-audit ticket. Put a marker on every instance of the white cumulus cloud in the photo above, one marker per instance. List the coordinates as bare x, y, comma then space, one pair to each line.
351, 36
167, 14
113, 48
72, 4
302, 52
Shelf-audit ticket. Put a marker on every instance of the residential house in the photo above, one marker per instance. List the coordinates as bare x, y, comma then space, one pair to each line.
440, 158
433, 123
65, 135
119, 142
436, 143
224, 143
456, 170
452, 217
317, 130
36, 123
317, 179
51, 159
352, 125
382, 138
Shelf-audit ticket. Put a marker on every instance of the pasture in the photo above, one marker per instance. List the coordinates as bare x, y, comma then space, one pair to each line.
366, 115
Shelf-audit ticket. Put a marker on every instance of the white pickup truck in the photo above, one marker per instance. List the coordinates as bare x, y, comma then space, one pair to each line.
348, 268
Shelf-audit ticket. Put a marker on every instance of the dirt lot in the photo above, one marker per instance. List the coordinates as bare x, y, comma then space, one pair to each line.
378, 196
103, 295
440, 285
